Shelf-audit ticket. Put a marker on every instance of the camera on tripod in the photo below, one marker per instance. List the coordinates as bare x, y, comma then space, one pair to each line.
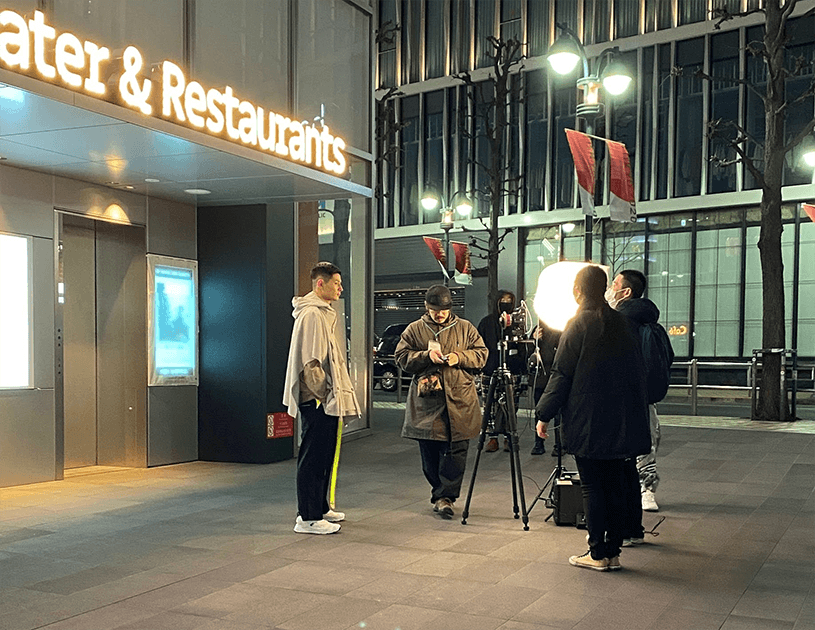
514, 323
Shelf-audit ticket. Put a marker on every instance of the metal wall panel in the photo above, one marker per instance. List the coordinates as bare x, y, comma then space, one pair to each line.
25, 203
121, 294
99, 201
26, 436
171, 229
42, 259
172, 425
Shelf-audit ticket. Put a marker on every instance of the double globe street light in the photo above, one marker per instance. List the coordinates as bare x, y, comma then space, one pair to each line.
609, 74
460, 204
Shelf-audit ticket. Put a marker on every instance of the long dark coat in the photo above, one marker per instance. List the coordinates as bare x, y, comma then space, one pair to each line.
423, 416
598, 382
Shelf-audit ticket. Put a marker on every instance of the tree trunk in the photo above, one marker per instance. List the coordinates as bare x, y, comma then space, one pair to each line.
769, 244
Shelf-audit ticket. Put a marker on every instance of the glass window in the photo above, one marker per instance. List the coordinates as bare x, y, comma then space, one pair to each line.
436, 40
484, 27
244, 45
646, 123
596, 21
409, 214
625, 246
541, 249
806, 290
754, 116
333, 67
155, 27
460, 36
458, 149
563, 165
15, 316
537, 130
511, 20
752, 285
689, 131
434, 140
669, 274
799, 59
691, 11
386, 39
484, 111
627, 17
538, 25
624, 113
566, 13
724, 98
411, 41
514, 183
663, 113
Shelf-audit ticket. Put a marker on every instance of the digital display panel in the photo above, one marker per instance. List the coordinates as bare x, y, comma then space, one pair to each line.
15, 313
173, 322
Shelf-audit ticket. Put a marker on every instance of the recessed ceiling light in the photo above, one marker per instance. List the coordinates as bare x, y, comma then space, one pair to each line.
128, 187
197, 191
152, 180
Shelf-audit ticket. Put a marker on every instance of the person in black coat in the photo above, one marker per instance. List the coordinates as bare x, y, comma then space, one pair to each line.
598, 385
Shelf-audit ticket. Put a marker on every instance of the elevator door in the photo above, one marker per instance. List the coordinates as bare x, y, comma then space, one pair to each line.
105, 359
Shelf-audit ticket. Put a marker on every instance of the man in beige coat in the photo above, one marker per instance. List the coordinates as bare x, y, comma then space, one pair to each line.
319, 388
443, 423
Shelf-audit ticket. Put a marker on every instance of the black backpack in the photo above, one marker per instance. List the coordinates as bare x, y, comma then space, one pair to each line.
658, 355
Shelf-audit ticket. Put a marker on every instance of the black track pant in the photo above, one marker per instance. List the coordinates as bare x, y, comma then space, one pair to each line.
319, 439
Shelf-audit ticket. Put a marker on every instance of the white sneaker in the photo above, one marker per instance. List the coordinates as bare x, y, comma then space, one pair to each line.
649, 502
334, 517
316, 527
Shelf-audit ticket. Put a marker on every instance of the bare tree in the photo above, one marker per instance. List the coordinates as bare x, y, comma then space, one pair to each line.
490, 102
764, 159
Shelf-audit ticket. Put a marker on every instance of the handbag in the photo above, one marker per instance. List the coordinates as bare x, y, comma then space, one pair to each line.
429, 384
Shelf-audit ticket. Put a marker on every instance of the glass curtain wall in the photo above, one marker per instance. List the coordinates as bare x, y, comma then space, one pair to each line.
799, 64
724, 105
806, 287
690, 56
409, 207
484, 27
537, 140
436, 39
388, 19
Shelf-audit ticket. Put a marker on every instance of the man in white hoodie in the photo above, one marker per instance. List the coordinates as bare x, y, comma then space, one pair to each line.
319, 387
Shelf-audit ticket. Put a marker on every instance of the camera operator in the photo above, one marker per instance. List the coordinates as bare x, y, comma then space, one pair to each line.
492, 331
540, 368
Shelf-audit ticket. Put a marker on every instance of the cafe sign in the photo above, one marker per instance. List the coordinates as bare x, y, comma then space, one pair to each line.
33, 47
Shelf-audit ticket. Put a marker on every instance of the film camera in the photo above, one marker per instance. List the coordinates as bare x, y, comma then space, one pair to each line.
514, 323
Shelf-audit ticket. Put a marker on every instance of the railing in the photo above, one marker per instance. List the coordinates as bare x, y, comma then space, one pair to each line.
792, 374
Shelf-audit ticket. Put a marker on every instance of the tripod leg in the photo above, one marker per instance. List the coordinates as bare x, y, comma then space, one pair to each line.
512, 421
485, 420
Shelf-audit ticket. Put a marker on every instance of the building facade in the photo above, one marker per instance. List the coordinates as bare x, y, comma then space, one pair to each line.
163, 167
698, 221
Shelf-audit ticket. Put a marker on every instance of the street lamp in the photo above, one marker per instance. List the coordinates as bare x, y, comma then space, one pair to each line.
460, 204
610, 74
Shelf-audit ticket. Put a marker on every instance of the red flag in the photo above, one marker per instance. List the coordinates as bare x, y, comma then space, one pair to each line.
583, 156
620, 184
810, 210
462, 252
436, 249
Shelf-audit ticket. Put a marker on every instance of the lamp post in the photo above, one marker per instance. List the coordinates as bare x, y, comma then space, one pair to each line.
461, 204
609, 74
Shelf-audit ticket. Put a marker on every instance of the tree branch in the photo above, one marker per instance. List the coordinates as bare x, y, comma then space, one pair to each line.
722, 15
808, 128
748, 84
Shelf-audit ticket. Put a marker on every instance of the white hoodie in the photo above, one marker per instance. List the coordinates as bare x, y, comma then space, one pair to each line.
313, 339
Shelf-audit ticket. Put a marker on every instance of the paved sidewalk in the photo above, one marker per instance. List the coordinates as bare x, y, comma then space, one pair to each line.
210, 546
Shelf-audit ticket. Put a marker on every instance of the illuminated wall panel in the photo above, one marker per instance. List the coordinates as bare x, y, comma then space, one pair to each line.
15, 314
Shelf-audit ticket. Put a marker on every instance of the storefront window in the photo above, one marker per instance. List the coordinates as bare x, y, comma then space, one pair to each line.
244, 44
155, 27
334, 68
806, 290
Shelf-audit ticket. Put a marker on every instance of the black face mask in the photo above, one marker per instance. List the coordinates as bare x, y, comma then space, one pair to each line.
505, 307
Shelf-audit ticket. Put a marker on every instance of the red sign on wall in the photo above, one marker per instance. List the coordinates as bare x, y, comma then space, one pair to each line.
279, 425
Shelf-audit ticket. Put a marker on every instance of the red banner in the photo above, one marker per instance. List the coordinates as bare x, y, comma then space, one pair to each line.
462, 253
583, 156
436, 249
810, 210
620, 184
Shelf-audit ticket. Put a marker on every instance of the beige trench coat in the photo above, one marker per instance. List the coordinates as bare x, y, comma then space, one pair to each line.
423, 416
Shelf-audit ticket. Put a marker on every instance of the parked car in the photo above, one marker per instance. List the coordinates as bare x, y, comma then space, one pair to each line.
386, 373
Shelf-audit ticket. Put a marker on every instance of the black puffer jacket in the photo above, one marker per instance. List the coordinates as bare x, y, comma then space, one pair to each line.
639, 310
598, 383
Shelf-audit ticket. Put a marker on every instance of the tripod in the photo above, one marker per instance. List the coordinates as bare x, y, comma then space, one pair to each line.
499, 418
558, 472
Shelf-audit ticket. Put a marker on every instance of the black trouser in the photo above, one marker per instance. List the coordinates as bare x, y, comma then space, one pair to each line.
603, 485
314, 461
633, 501
443, 487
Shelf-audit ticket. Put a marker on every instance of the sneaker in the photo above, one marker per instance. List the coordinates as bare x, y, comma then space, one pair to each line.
614, 564
444, 507
316, 527
334, 517
492, 445
587, 562
633, 542
649, 502
506, 445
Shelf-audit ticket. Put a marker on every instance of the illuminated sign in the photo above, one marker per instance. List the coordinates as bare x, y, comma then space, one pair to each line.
15, 313
678, 331
173, 322
84, 66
